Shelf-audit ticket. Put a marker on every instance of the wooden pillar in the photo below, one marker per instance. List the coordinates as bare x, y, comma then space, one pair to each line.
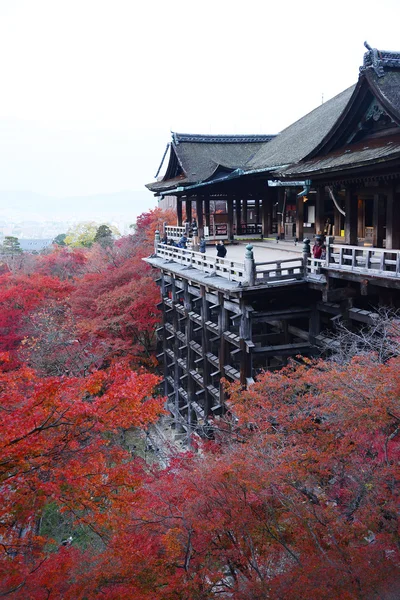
361, 218
245, 334
207, 211
223, 325
393, 220
199, 210
175, 322
205, 348
188, 208
351, 219
320, 210
337, 221
164, 334
179, 211
257, 211
379, 220
238, 215
244, 212
266, 214
229, 206
299, 217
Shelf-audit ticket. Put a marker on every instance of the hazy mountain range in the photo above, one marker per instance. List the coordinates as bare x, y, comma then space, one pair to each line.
24, 206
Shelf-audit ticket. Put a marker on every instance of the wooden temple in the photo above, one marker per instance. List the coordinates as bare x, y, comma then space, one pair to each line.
335, 172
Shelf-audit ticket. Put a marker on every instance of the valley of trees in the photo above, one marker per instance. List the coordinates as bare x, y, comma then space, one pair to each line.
295, 496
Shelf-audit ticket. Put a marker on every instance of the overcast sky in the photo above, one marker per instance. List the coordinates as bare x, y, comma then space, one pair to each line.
90, 89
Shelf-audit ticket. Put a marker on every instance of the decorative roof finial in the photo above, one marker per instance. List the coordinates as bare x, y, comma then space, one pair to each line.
378, 60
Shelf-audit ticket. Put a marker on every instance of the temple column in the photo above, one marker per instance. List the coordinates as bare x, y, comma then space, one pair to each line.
337, 221
379, 220
244, 213
199, 210
351, 219
393, 220
257, 211
266, 214
229, 207
188, 208
299, 217
320, 210
179, 211
238, 214
207, 211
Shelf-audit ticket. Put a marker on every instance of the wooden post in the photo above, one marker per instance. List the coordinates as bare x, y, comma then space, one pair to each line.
393, 220
199, 210
244, 334
156, 241
266, 213
207, 211
257, 211
249, 266
350, 227
223, 325
179, 211
337, 221
299, 218
229, 204
188, 207
244, 213
320, 210
238, 215
360, 218
379, 220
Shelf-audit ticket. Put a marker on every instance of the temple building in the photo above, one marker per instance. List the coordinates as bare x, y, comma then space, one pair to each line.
334, 174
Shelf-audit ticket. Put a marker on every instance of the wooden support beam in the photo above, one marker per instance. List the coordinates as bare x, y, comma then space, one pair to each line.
179, 212
188, 209
207, 210
299, 217
379, 218
199, 211
320, 210
229, 206
351, 219
393, 219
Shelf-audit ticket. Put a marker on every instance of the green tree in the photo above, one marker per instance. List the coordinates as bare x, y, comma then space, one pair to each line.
60, 239
104, 236
82, 235
11, 246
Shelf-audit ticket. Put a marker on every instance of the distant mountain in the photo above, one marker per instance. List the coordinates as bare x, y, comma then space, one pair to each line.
30, 205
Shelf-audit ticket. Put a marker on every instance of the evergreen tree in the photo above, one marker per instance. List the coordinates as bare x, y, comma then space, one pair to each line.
11, 246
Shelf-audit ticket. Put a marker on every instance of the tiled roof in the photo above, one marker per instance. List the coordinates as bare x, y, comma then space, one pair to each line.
300, 138
349, 157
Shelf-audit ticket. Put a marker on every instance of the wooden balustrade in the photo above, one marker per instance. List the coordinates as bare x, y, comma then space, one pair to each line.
271, 271
358, 259
174, 232
290, 268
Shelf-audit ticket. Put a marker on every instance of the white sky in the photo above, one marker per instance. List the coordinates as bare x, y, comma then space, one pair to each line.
91, 88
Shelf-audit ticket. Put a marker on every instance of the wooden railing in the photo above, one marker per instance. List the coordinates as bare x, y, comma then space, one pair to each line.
377, 261
290, 268
249, 272
219, 266
174, 233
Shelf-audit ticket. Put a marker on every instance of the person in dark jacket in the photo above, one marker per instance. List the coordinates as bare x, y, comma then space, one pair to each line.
183, 242
202, 245
221, 250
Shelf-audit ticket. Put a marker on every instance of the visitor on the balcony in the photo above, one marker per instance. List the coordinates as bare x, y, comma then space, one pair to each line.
317, 248
221, 250
202, 245
195, 233
164, 239
183, 242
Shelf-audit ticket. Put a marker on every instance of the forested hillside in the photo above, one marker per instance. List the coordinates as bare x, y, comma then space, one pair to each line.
294, 496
